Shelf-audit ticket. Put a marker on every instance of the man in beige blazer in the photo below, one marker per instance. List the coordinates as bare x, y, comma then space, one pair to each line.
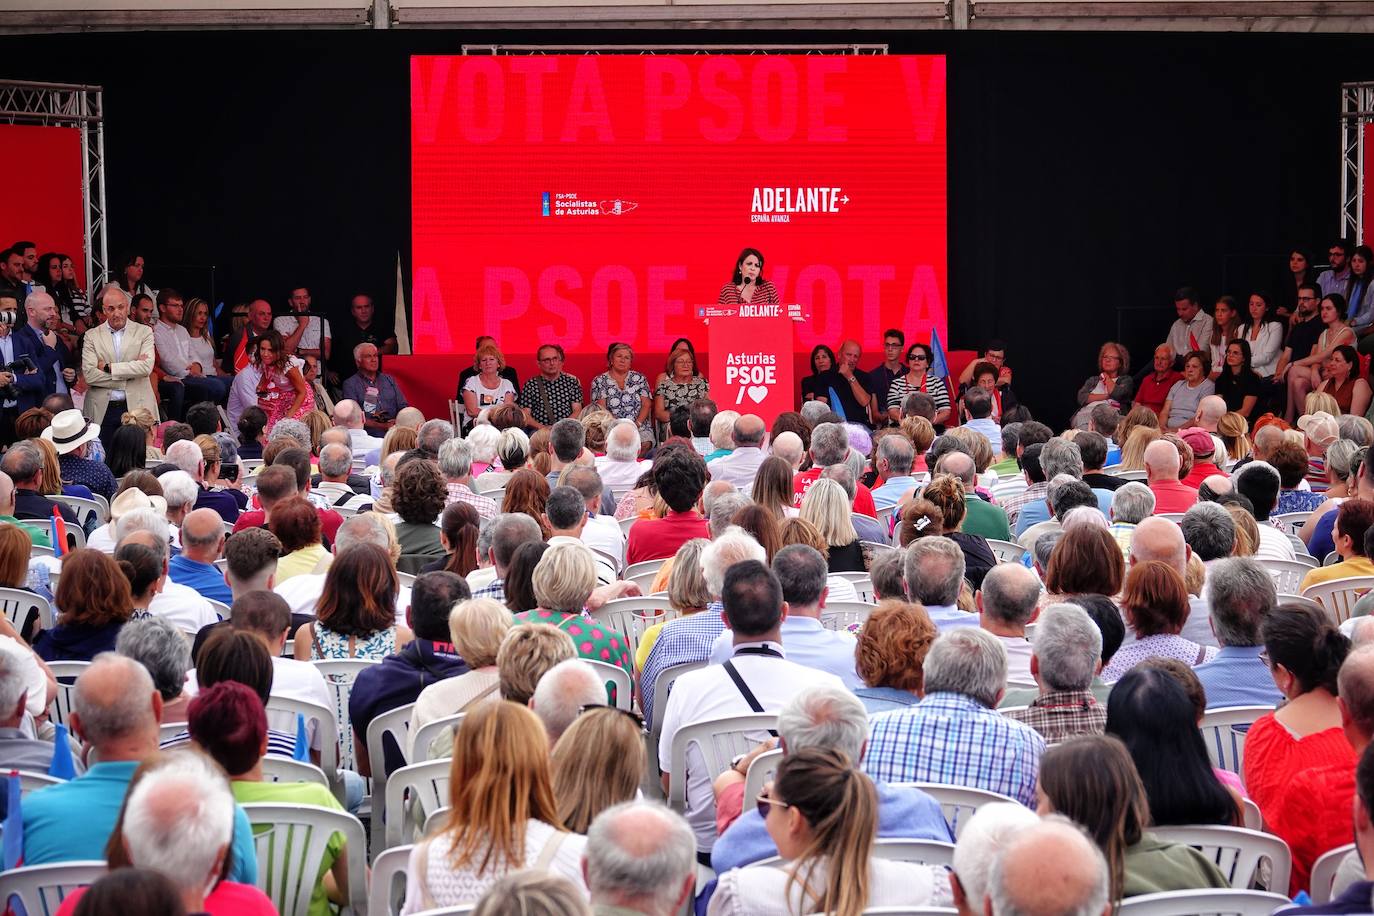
117, 360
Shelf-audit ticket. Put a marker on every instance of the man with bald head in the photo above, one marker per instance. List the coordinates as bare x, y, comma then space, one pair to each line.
1161, 470
1160, 539
1051, 869
349, 415
115, 712
39, 346
181, 605
36, 535
202, 540
981, 517
1209, 410
640, 860
740, 466
789, 447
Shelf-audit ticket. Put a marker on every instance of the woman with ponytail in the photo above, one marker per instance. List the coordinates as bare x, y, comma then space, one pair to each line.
822, 813
1299, 767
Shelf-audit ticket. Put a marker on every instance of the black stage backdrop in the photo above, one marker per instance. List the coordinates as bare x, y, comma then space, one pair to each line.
1090, 173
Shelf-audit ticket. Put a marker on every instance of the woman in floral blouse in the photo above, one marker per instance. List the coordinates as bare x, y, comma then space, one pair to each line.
682, 383
621, 390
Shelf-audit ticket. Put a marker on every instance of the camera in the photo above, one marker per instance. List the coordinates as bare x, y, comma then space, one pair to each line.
20, 366
9, 317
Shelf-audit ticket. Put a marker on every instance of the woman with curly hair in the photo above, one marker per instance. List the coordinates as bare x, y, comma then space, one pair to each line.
418, 496
528, 492
96, 601
889, 657
946, 492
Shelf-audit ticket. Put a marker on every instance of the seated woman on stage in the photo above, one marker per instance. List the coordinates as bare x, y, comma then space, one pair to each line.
985, 377
621, 390
1238, 384
1304, 373
1264, 335
919, 358
1187, 393
1225, 327
488, 387
681, 383
823, 377
1343, 381
679, 345
1113, 381
747, 284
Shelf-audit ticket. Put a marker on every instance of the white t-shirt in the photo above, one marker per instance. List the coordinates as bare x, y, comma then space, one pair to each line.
291, 680
183, 607
489, 397
1273, 544
310, 339
303, 592
448, 886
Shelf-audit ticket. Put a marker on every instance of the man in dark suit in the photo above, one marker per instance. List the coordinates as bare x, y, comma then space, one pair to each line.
34, 340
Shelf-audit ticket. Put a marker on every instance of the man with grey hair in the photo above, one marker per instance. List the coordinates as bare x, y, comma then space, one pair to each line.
723, 509
1210, 531
1058, 457
981, 838
689, 639
1065, 494
981, 517
812, 411
1132, 503
566, 515
455, 462
640, 860
620, 467
1006, 603
830, 446
934, 572
23, 462
180, 490
888, 575
740, 466
115, 712
349, 415
432, 435
287, 428
25, 690
561, 694
892, 460
830, 719
1050, 869
334, 487
788, 446
1067, 655
954, 735
1241, 595
802, 572
509, 531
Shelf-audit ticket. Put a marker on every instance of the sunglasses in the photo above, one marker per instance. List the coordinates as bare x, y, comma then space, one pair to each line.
919, 357
764, 802
634, 716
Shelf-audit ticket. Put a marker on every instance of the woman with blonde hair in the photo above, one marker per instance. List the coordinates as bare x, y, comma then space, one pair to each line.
596, 764
53, 484
317, 421
477, 627
488, 387
563, 580
503, 816
143, 418
687, 593
1321, 401
826, 506
821, 812
539, 451
1133, 448
1234, 431
1139, 415
226, 500
921, 434
1247, 530
398, 439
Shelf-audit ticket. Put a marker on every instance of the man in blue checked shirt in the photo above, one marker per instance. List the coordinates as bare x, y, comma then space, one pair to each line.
955, 735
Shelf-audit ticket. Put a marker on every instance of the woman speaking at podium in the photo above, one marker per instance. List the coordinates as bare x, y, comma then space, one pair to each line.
748, 285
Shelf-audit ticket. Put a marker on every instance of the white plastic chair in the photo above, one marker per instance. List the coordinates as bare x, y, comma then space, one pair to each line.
1332, 558
1288, 574
339, 675
643, 566
1225, 742
895, 849
1190, 903
910, 911
1339, 595
1299, 599
885, 517
760, 772
617, 677
630, 617
1237, 852
1175, 517
718, 741
291, 850
420, 749
39, 551
42, 888
283, 769
396, 724
1312, 561
662, 685
840, 614
17, 604
219, 608
326, 729
1007, 551
1290, 522
84, 508
423, 784
1299, 548
959, 802
863, 584
1251, 817
626, 524
385, 894
406, 580
1324, 872
66, 674
30, 781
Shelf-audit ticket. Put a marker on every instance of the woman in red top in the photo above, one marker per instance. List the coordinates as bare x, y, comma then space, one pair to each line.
747, 284
1302, 743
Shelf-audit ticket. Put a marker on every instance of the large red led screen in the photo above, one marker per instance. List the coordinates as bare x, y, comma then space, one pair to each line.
589, 199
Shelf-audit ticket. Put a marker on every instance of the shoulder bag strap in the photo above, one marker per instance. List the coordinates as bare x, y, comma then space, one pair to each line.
549, 851
744, 690
479, 697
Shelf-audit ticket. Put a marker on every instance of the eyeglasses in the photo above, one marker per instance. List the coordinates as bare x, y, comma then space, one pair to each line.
1337, 253
919, 357
1307, 298
892, 346
634, 716
764, 802
1264, 657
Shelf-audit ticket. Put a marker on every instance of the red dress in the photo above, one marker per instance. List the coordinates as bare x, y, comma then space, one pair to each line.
1303, 787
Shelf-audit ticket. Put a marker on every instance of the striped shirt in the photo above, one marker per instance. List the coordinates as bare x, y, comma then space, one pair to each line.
953, 739
682, 641
279, 744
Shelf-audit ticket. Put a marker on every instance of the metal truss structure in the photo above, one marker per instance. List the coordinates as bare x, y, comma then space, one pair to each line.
1357, 112
69, 105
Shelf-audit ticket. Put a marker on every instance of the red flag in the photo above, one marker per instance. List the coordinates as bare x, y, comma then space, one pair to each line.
59, 533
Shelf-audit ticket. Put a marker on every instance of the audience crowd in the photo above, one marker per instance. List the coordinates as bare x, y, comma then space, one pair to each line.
573, 601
